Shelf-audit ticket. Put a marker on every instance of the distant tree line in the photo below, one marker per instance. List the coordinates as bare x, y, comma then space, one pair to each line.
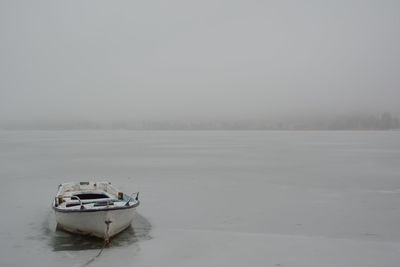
385, 121
350, 122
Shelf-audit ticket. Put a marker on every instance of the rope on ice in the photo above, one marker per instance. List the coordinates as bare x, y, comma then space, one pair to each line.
106, 241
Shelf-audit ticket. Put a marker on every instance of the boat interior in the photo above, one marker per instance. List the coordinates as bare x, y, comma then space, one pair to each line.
93, 194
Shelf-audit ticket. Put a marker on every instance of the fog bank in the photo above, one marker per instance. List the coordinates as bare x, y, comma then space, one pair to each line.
210, 60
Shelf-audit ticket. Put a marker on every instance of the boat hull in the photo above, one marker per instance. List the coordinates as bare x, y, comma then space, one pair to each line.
100, 223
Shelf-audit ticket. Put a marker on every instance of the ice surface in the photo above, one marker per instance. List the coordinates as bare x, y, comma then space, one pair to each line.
210, 198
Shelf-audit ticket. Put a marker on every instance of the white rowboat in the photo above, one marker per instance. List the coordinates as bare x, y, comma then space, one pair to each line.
93, 208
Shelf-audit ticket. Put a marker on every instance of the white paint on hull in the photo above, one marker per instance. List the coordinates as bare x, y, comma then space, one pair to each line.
94, 223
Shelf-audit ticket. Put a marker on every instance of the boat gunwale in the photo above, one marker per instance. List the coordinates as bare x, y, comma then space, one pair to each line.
134, 205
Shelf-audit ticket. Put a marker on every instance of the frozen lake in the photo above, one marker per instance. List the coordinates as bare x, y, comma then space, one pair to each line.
209, 198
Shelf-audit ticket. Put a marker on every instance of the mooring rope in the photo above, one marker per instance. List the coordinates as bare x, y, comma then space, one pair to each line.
106, 241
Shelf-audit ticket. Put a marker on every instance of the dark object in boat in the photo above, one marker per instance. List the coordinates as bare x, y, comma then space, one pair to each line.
83, 196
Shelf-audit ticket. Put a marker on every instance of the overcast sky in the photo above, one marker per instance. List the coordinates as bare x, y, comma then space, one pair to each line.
140, 60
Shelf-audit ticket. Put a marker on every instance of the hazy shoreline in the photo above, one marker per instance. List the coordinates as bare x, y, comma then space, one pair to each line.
385, 121
198, 129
